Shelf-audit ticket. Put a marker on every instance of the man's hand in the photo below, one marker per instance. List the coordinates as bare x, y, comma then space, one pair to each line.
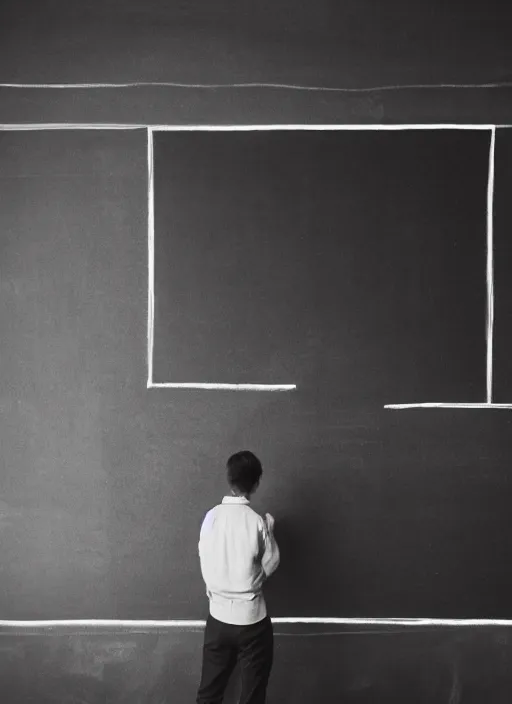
270, 522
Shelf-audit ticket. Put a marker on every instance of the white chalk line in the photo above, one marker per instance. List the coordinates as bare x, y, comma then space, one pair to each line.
151, 256
227, 128
200, 623
331, 127
362, 632
262, 84
490, 264
479, 406
225, 387
42, 126
20, 127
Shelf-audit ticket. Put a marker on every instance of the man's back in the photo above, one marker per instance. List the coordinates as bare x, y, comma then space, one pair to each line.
237, 553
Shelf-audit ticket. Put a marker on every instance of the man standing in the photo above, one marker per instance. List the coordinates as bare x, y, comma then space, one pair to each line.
238, 552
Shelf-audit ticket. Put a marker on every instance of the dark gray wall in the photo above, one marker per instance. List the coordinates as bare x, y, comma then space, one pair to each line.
103, 483
330, 664
356, 43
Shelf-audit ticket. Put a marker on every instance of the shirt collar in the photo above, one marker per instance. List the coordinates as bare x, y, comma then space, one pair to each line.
235, 500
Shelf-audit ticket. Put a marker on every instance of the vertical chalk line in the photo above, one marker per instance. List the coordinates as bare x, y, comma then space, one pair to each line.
490, 264
151, 255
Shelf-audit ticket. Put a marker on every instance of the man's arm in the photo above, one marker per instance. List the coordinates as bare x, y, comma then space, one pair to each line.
204, 549
271, 556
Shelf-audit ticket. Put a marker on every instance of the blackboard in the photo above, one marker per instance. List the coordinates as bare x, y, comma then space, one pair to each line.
104, 482
64, 225
358, 43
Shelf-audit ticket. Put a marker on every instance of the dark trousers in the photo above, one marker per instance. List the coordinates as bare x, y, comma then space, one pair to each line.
225, 644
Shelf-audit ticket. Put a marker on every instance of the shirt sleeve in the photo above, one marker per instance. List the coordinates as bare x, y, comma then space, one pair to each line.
271, 556
205, 552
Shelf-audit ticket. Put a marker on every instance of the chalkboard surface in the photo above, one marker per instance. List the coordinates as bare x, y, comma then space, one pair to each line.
394, 62
72, 209
104, 483
353, 261
354, 43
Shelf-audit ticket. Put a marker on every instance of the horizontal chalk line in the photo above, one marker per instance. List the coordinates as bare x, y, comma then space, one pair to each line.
18, 127
200, 623
262, 84
365, 632
333, 127
224, 387
482, 406
42, 126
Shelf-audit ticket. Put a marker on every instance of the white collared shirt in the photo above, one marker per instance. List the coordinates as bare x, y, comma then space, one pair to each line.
237, 553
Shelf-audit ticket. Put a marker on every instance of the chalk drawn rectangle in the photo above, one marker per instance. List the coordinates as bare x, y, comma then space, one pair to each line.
354, 259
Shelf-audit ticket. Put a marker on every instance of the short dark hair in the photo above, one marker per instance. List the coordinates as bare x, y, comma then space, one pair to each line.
244, 471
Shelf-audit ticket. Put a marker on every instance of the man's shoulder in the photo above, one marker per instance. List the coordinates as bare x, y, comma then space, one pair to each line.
227, 508
256, 517
246, 508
